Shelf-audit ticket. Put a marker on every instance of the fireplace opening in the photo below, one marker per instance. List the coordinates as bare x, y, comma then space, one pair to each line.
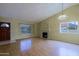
45, 35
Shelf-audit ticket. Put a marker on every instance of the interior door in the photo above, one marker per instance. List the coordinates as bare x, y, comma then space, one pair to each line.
0, 34
4, 31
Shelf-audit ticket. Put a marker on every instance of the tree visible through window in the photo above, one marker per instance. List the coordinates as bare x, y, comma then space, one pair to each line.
25, 29
69, 27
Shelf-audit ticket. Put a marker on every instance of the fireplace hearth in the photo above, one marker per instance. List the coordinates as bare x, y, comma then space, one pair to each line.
45, 35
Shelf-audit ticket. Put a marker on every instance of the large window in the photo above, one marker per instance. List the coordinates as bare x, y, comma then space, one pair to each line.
25, 29
71, 27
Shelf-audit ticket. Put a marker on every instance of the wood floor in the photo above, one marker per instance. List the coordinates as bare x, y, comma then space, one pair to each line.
39, 47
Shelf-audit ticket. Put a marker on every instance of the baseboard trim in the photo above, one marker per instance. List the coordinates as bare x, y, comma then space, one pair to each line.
25, 38
7, 42
64, 41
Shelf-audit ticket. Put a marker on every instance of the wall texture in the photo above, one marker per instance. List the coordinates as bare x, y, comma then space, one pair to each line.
73, 15
15, 28
43, 27
51, 25
35, 30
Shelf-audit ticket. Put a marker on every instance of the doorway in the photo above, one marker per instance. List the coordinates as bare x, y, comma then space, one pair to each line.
4, 31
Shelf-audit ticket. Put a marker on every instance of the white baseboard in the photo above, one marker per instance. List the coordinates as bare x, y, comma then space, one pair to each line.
7, 42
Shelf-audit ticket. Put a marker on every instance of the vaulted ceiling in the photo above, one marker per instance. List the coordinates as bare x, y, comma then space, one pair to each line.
33, 12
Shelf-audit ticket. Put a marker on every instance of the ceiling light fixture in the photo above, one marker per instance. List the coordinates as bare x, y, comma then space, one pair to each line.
63, 16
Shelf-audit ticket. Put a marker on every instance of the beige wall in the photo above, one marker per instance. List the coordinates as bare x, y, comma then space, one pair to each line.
15, 29
43, 27
73, 13
51, 25
35, 30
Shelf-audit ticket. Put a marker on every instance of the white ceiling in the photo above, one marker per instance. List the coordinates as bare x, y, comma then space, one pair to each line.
33, 12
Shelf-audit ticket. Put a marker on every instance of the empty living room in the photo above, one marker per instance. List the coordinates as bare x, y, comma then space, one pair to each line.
39, 29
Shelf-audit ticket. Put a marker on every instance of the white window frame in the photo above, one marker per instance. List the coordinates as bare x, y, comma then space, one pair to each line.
67, 30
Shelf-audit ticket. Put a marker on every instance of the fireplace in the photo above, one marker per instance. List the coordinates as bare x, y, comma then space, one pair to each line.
45, 35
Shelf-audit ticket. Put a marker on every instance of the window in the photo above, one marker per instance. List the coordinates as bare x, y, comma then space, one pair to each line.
25, 29
69, 27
